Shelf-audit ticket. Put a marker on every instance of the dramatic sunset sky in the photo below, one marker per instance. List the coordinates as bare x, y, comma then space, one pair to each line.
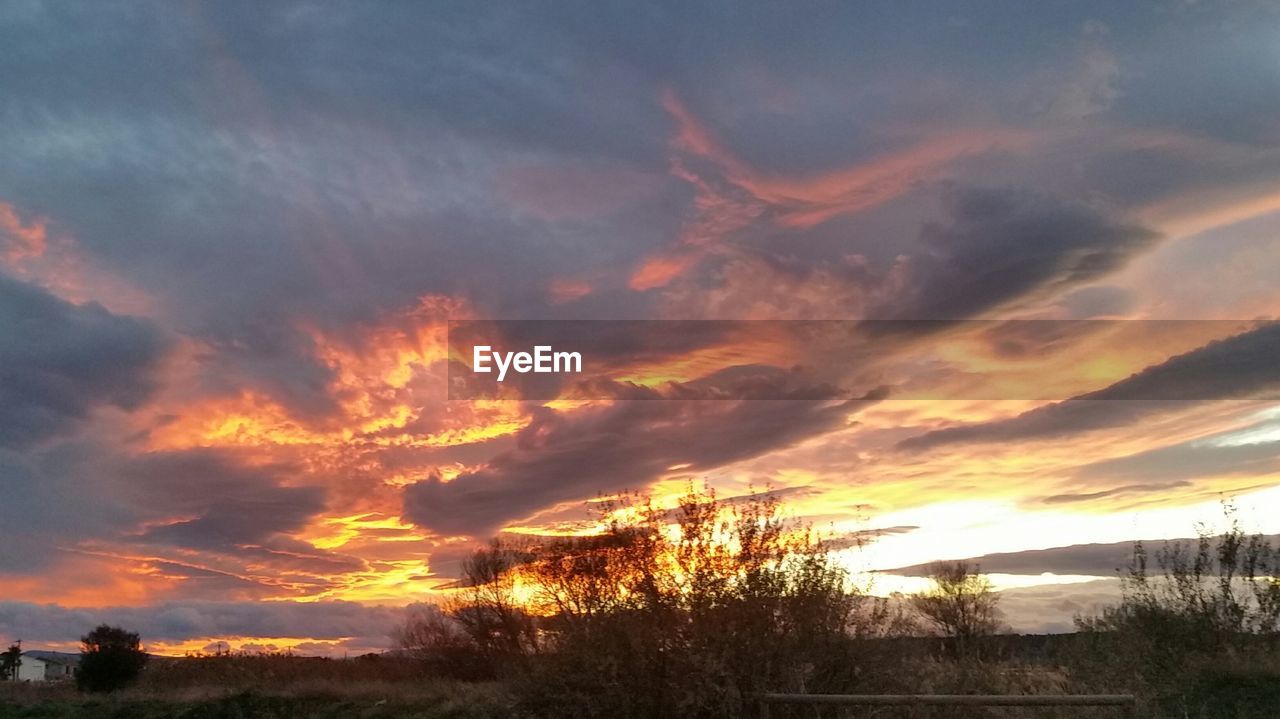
232, 236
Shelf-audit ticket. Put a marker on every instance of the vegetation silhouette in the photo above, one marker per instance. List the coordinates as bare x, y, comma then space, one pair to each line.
111, 658
688, 611
10, 661
1196, 628
683, 611
691, 611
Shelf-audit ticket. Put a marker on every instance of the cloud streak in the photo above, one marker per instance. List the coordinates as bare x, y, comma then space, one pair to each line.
1238, 367
626, 445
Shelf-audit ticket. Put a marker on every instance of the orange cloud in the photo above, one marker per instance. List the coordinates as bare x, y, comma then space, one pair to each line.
660, 270
124, 582
389, 382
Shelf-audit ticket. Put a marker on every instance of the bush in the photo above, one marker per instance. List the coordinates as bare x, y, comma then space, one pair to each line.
110, 659
679, 611
442, 645
960, 605
1196, 633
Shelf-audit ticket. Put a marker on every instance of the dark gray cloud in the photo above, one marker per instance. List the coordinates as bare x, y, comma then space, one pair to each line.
235, 516
864, 537
1242, 366
200, 513
232, 504
1002, 245
1100, 560
627, 445
52, 500
196, 619
59, 361
1136, 491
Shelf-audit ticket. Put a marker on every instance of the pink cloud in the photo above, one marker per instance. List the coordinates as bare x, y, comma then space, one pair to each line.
733, 195
567, 290
19, 240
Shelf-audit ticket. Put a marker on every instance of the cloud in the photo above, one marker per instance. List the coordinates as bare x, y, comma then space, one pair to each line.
203, 515
994, 249
807, 201
59, 362
50, 501
1096, 560
210, 511
998, 246
761, 285
733, 197
1098, 301
20, 239
195, 619
1237, 367
223, 504
1170, 466
627, 445
275, 181
1125, 490
1100, 560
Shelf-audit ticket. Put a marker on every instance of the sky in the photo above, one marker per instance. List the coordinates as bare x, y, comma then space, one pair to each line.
233, 235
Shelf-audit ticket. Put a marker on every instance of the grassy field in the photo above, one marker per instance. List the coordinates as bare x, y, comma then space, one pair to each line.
303, 699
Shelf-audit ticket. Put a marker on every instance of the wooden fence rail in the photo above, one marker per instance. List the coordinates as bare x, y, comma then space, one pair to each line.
992, 700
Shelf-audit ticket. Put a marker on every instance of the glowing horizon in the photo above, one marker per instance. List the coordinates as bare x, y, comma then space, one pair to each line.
232, 241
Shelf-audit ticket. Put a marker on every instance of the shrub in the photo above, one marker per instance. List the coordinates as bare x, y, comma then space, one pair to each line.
1196, 633
960, 605
442, 645
670, 611
110, 659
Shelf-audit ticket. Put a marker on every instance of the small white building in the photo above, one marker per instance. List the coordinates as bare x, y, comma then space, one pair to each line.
38, 666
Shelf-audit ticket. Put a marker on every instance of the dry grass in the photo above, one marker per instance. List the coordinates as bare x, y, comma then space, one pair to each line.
271, 687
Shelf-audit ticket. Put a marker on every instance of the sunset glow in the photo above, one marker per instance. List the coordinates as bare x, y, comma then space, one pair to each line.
226, 296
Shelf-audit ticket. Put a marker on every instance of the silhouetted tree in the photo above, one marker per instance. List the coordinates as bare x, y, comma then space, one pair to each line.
10, 660
671, 611
110, 658
487, 606
960, 605
442, 644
